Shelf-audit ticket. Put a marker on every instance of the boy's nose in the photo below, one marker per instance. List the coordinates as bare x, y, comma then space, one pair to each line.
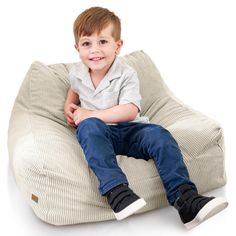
94, 51
95, 48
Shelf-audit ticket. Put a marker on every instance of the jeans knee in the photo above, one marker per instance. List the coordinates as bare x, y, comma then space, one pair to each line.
166, 138
160, 135
89, 126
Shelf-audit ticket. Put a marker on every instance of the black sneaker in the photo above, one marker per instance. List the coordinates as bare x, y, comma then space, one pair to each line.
194, 208
124, 202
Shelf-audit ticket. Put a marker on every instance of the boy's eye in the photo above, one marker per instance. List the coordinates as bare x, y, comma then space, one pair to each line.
86, 44
103, 41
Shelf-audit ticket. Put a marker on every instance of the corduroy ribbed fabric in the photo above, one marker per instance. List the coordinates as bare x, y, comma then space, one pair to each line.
49, 165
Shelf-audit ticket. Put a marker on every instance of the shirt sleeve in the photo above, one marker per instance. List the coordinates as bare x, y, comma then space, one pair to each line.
129, 92
72, 80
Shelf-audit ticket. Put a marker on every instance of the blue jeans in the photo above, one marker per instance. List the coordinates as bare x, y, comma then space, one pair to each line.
101, 143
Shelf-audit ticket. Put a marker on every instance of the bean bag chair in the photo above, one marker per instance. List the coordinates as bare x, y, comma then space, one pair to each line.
49, 165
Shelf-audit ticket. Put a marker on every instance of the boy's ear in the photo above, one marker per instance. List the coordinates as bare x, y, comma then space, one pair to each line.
119, 45
76, 47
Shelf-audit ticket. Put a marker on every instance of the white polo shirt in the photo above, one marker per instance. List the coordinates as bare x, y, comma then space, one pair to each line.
119, 86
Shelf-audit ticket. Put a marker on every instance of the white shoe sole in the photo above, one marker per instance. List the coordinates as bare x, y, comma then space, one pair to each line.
211, 208
131, 209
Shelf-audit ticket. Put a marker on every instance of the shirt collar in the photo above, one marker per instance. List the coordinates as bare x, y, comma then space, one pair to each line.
81, 72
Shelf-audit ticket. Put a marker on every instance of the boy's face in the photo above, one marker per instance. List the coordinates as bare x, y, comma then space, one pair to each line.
98, 51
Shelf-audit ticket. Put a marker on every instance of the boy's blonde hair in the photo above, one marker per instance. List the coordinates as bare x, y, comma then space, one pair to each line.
94, 20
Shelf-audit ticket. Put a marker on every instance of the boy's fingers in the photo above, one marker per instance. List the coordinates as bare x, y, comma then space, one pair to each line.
71, 122
72, 105
70, 114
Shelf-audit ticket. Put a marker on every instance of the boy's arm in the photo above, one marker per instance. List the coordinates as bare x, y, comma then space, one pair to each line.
119, 113
126, 110
72, 100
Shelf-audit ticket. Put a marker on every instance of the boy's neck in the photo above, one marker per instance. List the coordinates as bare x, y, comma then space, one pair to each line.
97, 77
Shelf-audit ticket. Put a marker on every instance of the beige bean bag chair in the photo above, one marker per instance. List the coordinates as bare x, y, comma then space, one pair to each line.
49, 165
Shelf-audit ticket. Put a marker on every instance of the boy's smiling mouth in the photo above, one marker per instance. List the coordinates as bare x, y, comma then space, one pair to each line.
96, 58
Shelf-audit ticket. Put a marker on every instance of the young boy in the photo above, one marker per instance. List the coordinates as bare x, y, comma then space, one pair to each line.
103, 104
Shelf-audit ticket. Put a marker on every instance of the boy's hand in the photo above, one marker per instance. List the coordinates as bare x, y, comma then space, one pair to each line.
68, 112
81, 114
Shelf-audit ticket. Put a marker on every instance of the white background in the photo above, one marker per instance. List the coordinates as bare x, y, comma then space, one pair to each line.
193, 43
